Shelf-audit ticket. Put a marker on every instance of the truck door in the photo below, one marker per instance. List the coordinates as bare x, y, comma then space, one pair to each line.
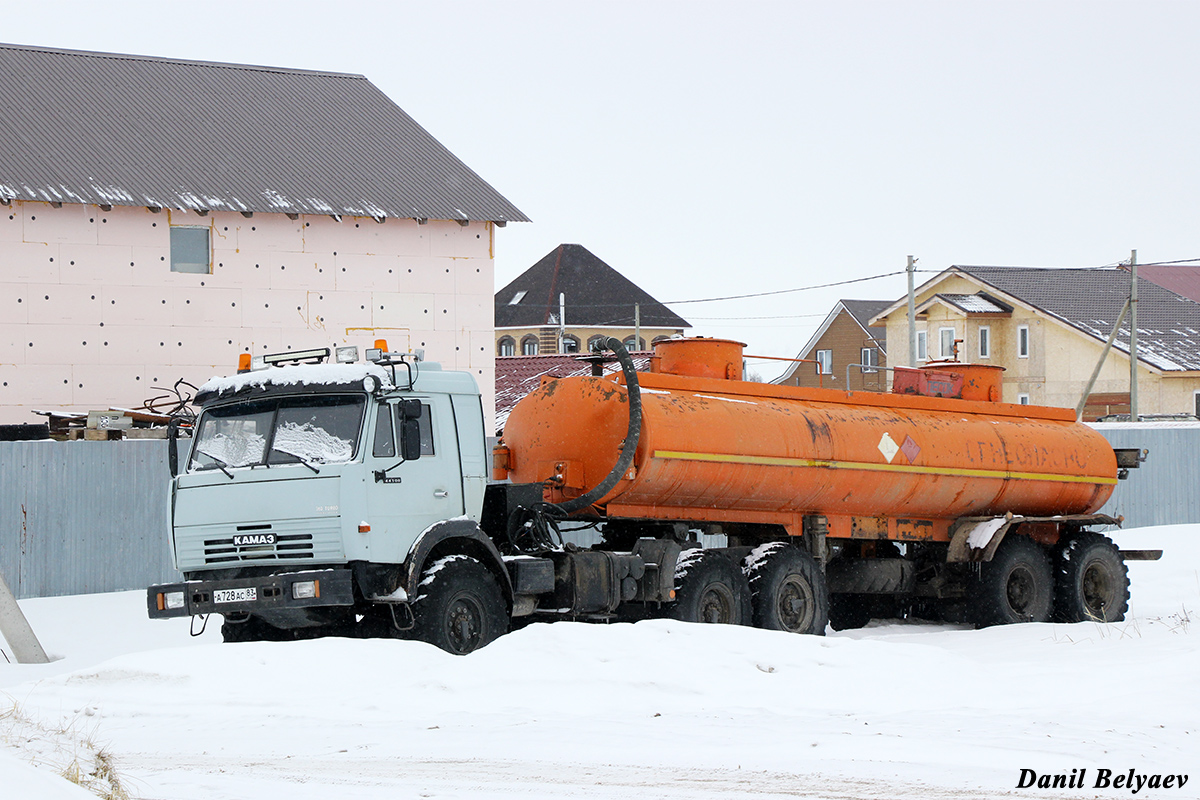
406, 497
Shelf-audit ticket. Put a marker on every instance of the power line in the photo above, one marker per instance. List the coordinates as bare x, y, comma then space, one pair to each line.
783, 291
782, 316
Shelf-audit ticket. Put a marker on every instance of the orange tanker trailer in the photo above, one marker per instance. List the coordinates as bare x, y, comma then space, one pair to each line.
934, 497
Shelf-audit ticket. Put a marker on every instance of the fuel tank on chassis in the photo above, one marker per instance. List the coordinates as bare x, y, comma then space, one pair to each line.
710, 446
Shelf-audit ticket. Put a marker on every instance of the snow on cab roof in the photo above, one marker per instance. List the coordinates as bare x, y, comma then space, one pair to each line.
322, 374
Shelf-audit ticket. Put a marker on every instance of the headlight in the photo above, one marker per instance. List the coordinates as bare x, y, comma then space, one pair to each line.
173, 600
304, 590
370, 384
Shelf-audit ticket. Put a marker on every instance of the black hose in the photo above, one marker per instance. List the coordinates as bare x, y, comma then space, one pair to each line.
631, 436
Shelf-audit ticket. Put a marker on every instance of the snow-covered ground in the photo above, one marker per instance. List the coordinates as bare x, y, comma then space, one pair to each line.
655, 709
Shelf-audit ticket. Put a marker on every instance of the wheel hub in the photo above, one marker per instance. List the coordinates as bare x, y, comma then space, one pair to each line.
464, 622
1098, 590
796, 606
716, 605
1021, 590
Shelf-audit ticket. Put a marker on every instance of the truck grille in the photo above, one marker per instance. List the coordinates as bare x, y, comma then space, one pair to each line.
287, 546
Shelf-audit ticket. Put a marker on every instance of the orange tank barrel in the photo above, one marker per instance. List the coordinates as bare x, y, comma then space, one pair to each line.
726, 450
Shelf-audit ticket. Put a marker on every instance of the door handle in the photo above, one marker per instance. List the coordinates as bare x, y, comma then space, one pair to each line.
440, 493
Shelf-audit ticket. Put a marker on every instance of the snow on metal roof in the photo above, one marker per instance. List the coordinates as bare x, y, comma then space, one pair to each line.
975, 303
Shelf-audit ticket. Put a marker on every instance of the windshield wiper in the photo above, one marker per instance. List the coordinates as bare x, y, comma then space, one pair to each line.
298, 458
219, 464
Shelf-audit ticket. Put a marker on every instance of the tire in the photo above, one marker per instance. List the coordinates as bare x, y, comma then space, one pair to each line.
788, 590
1091, 582
709, 589
459, 605
1015, 586
847, 611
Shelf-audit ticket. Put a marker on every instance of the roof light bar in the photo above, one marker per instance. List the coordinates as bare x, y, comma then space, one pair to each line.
316, 355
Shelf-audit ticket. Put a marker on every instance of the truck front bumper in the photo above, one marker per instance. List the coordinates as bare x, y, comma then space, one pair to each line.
278, 592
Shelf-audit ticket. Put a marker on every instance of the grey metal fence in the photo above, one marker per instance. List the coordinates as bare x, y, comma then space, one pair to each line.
1165, 490
81, 517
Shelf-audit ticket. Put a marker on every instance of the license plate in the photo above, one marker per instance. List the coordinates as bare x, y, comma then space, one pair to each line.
235, 595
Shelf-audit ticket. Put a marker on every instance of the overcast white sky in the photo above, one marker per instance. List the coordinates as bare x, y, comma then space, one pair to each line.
708, 149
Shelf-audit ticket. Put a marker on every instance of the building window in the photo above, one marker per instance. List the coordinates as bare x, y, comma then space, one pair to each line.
922, 348
985, 342
946, 344
570, 344
1023, 341
1023, 399
870, 358
529, 345
518, 297
507, 346
1196, 401
631, 346
190, 251
825, 362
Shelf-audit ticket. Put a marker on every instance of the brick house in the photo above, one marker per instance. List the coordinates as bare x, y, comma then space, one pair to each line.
569, 298
844, 338
161, 217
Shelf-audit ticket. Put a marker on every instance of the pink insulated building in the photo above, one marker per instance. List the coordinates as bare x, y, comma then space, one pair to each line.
161, 217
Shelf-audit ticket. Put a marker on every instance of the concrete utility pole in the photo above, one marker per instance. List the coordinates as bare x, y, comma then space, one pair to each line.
1112, 337
912, 315
637, 326
1133, 331
16, 629
562, 320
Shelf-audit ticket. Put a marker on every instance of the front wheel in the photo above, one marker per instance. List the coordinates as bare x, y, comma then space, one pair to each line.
1090, 580
459, 605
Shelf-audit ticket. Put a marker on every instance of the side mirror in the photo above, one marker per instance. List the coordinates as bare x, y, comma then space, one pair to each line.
410, 409
410, 436
172, 446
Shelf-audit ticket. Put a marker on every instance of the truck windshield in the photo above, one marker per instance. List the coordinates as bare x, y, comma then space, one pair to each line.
287, 430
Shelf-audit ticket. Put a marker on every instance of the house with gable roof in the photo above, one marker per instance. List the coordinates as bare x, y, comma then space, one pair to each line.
845, 337
570, 298
1047, 328
161, 217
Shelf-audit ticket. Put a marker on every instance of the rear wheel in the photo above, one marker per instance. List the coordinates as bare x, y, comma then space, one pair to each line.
709, 589
459, 605
789, 592
1090, 580
1015, 586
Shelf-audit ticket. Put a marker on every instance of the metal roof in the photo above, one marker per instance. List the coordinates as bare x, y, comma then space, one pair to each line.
113, 129
863, 311
595, 295
517, 376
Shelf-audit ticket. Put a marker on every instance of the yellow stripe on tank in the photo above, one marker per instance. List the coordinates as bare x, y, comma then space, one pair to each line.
776, 461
